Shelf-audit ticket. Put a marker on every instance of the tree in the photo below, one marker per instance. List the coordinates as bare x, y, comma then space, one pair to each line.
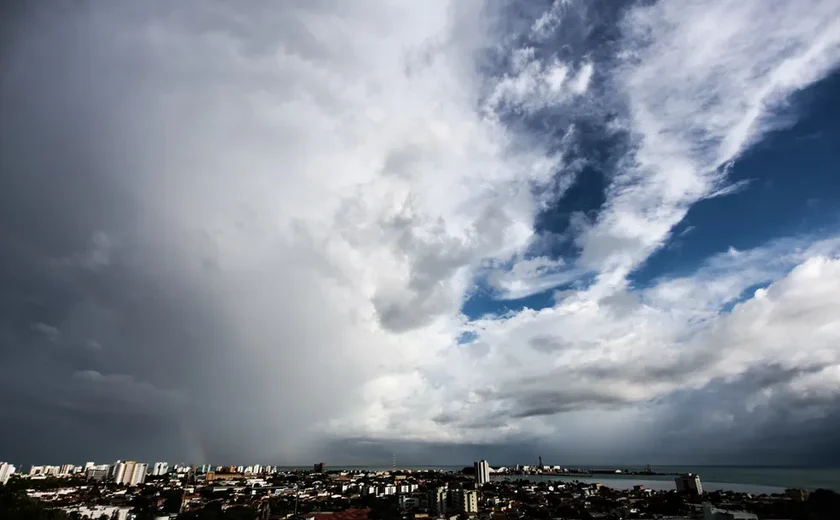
15, 505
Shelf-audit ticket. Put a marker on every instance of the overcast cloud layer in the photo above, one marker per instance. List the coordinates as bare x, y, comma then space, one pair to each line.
246, 232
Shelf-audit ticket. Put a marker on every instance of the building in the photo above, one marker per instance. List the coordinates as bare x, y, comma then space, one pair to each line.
97, 475
139, 474
482, 472
6, 471
118, 471
319, 467
437, 501
130, 473
112, 512
689, 483
408, 502
66, 469
713, 513
160, 468
353, 513
800, 495
465, 500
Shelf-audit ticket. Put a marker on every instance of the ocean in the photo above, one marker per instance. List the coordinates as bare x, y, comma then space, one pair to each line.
744, 479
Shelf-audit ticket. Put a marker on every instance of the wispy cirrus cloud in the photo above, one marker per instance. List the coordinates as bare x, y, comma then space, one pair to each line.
703, 81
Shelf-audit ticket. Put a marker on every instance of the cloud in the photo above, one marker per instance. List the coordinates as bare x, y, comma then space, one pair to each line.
534, 84
530, 276
703, 82
121, 394
48, 331
550, 19
251, 201
271, 218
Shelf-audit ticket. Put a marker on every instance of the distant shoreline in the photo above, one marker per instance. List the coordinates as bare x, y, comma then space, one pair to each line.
589, 473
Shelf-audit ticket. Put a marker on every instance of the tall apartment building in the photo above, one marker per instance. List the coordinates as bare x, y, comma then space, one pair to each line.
464, 500
437, 501
482, 472
689, 483
139, 474
160, 468
96, 474
6, 471
130, 473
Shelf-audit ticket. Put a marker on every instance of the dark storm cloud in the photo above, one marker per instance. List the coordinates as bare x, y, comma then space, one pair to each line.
100, 330
554, 402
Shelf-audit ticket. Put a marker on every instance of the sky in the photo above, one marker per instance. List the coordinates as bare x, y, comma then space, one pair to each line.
288, 232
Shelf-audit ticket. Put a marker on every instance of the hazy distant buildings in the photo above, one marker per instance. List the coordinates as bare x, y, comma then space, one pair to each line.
482, 472
6, 471
319, 467
44, 471
689, 483
160, 468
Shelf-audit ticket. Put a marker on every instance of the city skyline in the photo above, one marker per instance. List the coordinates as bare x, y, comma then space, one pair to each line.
596, 231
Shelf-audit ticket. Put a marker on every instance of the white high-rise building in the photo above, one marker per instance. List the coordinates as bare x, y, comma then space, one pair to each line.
482, 472
130, 473
6, 471
138, 476
119, 472
160, 468
66, 469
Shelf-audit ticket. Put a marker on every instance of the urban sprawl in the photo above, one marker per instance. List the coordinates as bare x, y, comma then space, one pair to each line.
130, 490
